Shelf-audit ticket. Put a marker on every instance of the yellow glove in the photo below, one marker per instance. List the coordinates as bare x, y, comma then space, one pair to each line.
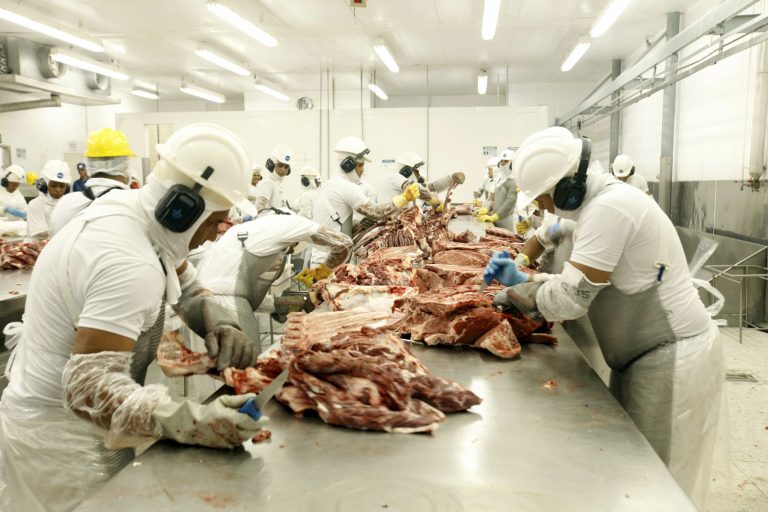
488, 218
481, 211
310, 275
522, 226
411, 193
322, 272
476, 202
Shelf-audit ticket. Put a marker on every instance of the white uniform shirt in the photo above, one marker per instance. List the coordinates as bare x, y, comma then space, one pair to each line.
75, 202
338, 199
271, 188
637, 181
39, 215
306, 202
392, 185
116, 284
370, 193
13, 200
267, 236
618, 231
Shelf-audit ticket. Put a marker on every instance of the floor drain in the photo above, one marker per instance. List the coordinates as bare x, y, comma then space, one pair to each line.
740, 377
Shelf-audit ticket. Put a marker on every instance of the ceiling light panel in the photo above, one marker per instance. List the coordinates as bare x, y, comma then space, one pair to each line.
575, 56
242, 24
77, 61
68, 36
375, 89
608, 16
272, 92
386, 56
490, 19
221, 61
205, 94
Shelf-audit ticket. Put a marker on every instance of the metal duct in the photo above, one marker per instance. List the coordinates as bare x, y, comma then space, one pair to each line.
53, 101
759, 116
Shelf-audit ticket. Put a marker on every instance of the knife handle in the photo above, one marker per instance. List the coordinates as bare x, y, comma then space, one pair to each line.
250, 408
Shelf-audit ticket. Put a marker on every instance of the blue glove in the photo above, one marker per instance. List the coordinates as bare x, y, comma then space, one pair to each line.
247, 218
15, 212
504, 270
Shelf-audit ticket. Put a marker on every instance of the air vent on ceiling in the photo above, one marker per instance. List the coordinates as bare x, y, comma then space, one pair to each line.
304, 103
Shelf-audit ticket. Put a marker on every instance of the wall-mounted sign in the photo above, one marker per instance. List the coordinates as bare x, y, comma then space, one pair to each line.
490, 150
387, 161
21, 153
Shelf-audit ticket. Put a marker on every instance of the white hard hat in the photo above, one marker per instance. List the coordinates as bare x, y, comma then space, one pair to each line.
193, 148
353, 146
493, 162
57, 170
543, 159
309, 170
256, 167
15, 173
507, 154
622, 166
410, 159
282, 153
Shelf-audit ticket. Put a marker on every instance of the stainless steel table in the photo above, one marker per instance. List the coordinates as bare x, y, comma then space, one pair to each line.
525, 448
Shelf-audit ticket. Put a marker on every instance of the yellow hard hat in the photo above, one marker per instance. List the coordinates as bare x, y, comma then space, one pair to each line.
107, 143
31, 177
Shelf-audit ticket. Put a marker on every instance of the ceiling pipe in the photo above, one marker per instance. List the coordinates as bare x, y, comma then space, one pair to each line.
759, 117
53, 101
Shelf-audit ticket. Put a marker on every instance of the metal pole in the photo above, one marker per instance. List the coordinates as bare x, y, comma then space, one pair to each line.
320, 128
666, 163
616, 65
362, 129
429, 101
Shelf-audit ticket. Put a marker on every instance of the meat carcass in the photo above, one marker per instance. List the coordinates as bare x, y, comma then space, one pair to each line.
401, 230
457, 316
16, 255
341, 296
371, 382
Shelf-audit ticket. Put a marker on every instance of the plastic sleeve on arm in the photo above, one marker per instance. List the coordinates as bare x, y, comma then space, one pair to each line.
440, 184
567, 296
340, 245
98, 388
376, 211
261, 203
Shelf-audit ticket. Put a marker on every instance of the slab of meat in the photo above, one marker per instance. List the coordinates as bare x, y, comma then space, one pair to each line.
503, 233
463, 208
371, 382
487, 248
436, 276
378, 272
462, 258
16, 255
400, 230
340, 296
457, 316
405, 254
176, 360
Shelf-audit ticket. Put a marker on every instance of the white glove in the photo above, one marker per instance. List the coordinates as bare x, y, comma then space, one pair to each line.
553, 230
216, 425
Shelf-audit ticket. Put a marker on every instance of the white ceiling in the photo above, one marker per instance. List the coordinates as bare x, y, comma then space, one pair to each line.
154, 40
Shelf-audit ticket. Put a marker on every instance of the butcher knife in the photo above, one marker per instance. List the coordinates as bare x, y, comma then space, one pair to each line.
254, 406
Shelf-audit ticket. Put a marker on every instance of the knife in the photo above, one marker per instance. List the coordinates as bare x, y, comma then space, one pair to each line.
253, 406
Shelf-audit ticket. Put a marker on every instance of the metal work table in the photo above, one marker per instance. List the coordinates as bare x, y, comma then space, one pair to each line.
525, 448
13, 294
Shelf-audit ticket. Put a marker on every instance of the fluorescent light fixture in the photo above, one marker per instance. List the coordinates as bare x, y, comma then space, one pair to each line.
609, 15
237, 21
67, 37
225, 63
147, 86
205, 94
74, 60
386, 56
482, 82
272, 92
378, 92
576, 54
144, 94
490, 18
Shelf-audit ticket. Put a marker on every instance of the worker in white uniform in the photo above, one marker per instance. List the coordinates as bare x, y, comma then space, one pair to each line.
409, 170
502, 211
629, 273
624, 168
310, 183
13, 206
108, 169
255, 180
483, 195
342, 195
242, 265
52, 186
76, 399
269, 192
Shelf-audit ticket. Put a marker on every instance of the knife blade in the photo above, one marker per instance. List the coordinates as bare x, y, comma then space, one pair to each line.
254, 406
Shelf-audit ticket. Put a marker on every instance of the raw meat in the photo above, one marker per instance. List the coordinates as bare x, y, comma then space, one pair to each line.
340, 296
16, 255
457, 316
401, 230
436, 276
462, 258
371, 382
176, 360
503, 233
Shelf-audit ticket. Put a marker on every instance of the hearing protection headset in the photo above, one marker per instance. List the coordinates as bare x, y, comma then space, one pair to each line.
407, 170
349, 163
570, 191
305, 181
4, 180
42, 186
270, 165
182, 206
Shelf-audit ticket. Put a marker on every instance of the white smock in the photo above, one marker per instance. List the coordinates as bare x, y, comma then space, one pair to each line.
271, 188
393, 185
306, 201
638, 181
13, 199
75, 202
103, 270
370, 193
39, 216
334, 205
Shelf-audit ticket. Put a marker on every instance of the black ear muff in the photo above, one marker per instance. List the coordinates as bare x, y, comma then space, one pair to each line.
4, 181
305, 181
348, 164
570, 191
182, 206
632, 171
406, 171
42, 186
270, 165
67, 189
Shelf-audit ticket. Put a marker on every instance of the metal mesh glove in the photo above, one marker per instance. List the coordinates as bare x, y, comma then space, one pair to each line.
217, 424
